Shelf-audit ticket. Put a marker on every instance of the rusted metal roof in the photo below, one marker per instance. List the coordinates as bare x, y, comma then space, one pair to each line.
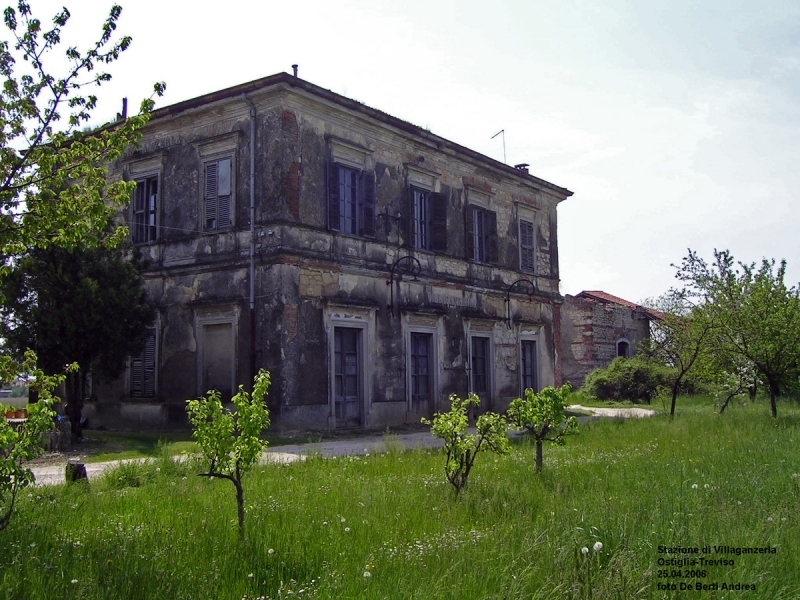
607, 298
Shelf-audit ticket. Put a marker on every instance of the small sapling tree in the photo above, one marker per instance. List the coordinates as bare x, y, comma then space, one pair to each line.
462, 447
20, 444
543, 416
230, 440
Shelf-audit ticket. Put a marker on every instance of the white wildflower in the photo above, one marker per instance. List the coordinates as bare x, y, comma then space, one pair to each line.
597, 546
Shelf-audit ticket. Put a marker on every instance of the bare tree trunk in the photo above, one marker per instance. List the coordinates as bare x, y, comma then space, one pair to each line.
738, 390
74, 406
773, 393
240, 505
675, 389
538, 456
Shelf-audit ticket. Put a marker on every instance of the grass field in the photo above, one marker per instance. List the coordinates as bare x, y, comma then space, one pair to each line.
389, 527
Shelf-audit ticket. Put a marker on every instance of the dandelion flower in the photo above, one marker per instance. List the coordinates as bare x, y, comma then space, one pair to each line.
706, 486
584, 551
694, 486
597, 546
367, 574
270, 551
249, 575
347, 530
74, 581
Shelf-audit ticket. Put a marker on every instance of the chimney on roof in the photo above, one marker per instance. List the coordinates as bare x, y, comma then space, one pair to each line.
294, 68
124, 114
522, 167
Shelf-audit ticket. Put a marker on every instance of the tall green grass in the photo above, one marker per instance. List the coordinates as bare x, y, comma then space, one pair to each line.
389, 526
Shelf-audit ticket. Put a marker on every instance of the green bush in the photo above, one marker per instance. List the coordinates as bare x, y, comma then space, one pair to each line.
636, 379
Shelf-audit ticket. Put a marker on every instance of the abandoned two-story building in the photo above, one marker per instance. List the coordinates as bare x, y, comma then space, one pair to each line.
371, 266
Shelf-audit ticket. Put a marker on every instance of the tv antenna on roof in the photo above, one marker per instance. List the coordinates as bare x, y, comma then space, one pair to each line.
503, 131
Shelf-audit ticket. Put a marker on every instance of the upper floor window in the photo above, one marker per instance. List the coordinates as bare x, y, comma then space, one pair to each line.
217, 194
526, 247
428, 212
145, 210
351, 200
481, 234
422, 218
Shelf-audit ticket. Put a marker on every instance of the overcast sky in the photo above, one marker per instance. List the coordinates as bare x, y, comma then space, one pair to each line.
675, 122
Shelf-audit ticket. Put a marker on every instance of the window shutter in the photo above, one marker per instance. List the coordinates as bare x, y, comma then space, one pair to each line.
143, 368
491, 237
406, 223
149, 366
470, 228
224, 193
526, 245
137, 376
211, 195
438, 222
152, 208
368, 205
139, 212
333, 196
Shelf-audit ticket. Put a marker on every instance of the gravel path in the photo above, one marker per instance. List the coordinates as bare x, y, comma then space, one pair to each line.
53, 474
620, 413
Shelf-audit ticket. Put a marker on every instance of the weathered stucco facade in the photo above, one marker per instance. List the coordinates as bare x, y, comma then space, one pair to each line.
365, 262
596, 327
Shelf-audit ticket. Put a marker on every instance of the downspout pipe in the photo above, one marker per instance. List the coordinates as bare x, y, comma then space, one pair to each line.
252, 235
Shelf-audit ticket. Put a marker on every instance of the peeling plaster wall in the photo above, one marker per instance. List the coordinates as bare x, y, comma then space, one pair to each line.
590, 331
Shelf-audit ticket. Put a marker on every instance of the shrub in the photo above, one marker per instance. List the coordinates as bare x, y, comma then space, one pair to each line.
636, 379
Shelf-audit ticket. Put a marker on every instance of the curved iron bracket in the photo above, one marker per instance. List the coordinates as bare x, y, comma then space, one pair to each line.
416, 269
530, 291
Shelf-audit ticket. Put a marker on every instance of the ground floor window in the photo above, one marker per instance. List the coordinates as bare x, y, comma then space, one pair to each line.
479, 365
421, 376
143, 368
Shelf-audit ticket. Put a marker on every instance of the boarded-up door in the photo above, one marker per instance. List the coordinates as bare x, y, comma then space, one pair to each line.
218, 358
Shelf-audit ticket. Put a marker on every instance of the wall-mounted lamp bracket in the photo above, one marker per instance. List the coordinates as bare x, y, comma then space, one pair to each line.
531, 290
414, 271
